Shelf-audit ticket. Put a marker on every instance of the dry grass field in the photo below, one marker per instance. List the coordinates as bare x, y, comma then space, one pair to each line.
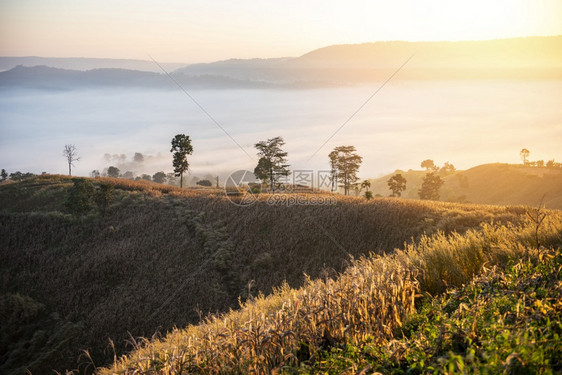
170, 264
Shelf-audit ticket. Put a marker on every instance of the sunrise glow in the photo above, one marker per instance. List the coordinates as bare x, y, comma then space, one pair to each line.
188, 31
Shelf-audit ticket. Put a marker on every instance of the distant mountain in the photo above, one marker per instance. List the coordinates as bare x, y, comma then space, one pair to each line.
42, 77
517, 58
498, 184
82, 63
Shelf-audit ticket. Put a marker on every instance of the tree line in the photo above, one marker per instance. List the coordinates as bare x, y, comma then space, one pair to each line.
272, 169
524, 153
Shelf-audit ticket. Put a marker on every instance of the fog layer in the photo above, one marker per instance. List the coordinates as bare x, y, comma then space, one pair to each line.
464, 122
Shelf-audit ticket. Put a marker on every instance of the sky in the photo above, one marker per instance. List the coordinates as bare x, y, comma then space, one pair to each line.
202, 31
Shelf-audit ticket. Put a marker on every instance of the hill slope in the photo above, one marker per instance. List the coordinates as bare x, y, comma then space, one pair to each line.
380, 315
501, 184
161, 257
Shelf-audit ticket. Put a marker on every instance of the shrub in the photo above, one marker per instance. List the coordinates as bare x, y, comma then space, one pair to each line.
79, 201
103, 196
204, 183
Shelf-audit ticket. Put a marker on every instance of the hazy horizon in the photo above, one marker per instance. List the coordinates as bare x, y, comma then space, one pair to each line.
198, 31
463, 122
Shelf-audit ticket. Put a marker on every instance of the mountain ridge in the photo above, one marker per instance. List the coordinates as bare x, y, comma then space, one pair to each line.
342, 65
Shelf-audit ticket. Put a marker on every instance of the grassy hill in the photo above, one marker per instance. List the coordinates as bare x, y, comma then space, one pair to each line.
487, 301
499, 184
162, 257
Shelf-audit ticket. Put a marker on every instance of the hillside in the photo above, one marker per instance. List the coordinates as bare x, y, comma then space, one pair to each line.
486, 301
163, 258
500, 184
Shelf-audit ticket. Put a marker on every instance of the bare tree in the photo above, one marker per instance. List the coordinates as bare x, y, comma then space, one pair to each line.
71, 154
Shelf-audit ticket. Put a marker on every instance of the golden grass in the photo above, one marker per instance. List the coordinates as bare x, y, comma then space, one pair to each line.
162, 252
365, 304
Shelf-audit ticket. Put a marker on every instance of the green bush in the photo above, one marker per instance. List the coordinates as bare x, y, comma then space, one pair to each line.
79, 201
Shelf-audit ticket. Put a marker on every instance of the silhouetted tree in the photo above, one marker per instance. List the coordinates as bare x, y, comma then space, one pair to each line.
146, 177
524, 153
71, 155
95, 173
347, 164
430, 186
4, 174
204, 183
103, 196
397, 184
368, 195
159, 177
113, 172
272, 163
428, 164
79, 200
181, 147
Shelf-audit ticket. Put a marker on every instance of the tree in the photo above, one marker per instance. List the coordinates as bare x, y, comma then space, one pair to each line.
95, 173
366, 185
540, 163
204, 183
71, 154
333, 170
428, 164
430, 186
397, 184
79, 200
18, 176
146, 177
272, 163
138, 158
128, 175
447, 168
159, 177
4, 174
113, 172
181, 147
346, 162
103, 196
524, 153
172, 179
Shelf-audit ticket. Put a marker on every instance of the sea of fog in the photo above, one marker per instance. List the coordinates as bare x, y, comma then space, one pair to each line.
464, 122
